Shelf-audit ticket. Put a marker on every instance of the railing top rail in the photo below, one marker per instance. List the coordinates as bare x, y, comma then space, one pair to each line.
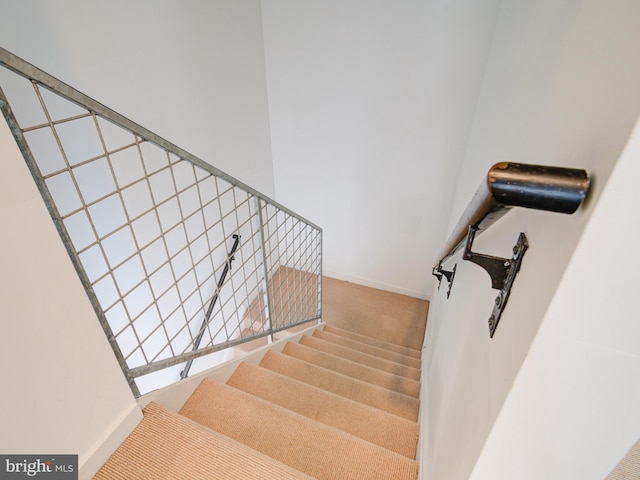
507, 185
27, 70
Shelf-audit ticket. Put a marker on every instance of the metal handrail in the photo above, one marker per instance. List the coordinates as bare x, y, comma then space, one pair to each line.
508, 185
207, 316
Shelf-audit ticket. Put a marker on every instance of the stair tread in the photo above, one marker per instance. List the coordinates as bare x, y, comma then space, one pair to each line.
166, 446
392, 347
293, 439
354, 370
366, 348
378, 397
360, 357
371, 424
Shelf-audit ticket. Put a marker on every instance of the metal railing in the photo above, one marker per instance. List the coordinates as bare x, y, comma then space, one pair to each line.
148, 227
212, 304
508, 185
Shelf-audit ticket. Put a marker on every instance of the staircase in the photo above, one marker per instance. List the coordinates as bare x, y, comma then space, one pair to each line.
339, 404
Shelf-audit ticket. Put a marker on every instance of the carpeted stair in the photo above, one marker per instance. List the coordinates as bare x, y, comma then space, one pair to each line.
381, 398
339, 404
354, 370
168, 446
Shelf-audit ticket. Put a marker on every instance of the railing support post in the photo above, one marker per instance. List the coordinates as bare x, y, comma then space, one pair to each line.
263, 246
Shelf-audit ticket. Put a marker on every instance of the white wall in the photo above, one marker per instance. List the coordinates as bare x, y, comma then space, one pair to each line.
560, 88
370, 105
573, 411
190, 71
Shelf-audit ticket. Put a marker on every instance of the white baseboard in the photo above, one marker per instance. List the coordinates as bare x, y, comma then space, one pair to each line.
379, 285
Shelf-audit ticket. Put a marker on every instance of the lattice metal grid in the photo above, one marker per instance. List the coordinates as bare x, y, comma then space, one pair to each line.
293, 254
149, 228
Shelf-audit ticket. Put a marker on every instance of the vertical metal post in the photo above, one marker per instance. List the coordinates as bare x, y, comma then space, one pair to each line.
320, 283
265, 279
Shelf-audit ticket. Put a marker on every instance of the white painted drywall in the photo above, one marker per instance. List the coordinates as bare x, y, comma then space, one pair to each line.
370, 104
560, 88
573, 411
190, 71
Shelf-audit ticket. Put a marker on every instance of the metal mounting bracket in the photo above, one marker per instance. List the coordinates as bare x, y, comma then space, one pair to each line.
439, 272
502, 271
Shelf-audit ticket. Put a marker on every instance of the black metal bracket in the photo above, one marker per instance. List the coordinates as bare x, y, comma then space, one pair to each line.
502, 271
439, 272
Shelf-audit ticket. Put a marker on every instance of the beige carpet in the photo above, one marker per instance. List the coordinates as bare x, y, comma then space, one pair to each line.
368, 349
293, 439
168, 446
408, 352
384, 399
341, 404
354, 370
376, 426
629, 466
360, 357
394, 318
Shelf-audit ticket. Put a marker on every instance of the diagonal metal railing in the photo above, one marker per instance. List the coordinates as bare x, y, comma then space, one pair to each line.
150, 227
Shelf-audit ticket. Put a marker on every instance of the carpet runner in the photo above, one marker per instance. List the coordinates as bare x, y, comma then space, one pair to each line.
340, 404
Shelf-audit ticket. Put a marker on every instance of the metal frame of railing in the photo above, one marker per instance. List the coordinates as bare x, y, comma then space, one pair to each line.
147, 227
508, 185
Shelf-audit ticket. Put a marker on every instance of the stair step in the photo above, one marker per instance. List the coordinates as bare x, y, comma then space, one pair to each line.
371, 424
392, 347
404, 406
354, 370
360, 357
293, 439
167, 446
369, 349
387, 316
